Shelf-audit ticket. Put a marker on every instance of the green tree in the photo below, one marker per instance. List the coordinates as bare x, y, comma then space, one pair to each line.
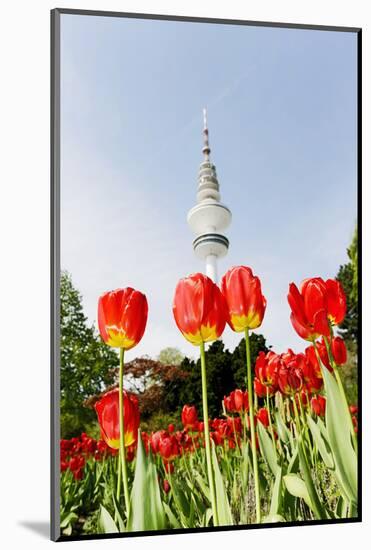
225, 371
87, 364
348, 277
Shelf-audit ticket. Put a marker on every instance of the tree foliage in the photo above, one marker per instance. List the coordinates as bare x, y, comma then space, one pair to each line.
348, 276
87, 364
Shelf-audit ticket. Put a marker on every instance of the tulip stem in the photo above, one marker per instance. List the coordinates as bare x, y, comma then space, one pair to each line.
252, 428
271, 427
207, 435
122, 435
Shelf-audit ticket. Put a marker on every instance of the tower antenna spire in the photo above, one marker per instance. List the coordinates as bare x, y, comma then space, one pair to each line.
206, 147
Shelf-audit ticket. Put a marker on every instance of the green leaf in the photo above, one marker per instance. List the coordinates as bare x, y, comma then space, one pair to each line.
106, 522
267, 448
276, 494
222, 503
68, 520
171, 517
339, 436
147, 512
315, 503
207, 517
282, 429
297, 488
318, 439
117, 514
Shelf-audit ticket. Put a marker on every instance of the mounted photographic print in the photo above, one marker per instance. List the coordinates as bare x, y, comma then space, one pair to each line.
205, 224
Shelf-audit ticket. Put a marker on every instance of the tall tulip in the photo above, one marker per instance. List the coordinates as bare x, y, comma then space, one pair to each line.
199, 309
246, 307
200, 313
122, 319
245, 301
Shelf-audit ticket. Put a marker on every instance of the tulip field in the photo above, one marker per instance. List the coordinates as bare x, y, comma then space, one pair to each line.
283, 449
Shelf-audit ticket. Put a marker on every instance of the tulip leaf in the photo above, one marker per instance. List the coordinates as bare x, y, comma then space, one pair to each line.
276, 494
147, 512
339, 436
106, 522
222, 503
267, 448
282, 429
171, 517
318, 439
315, 503
297, 488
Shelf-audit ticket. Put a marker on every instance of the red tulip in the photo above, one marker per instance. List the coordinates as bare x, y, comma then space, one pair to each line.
241, 400
318, 405
168, 447
199, 309
316, 305
261, 390
353, 409
245, 301
290, 380
263, 417
339, 350
155, 440
266, 368
189, 417
122, 317
107, 409
166, 486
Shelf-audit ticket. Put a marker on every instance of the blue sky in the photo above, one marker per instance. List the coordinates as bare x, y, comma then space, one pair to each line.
282, 120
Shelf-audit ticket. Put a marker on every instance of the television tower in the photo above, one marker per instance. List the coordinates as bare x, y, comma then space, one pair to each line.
209, 217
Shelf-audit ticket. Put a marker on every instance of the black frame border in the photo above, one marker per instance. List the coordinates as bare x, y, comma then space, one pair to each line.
55, 266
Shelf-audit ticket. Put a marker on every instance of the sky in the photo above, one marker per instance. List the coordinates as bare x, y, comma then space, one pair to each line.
282, 123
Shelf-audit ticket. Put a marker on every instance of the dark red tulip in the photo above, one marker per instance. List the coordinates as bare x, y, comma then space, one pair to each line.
245, 301
263, 417
107, 409
339, 350
317, 305
189, 417
199, 309
122, 317
168, 447
166, 486
261, 390
318, 405
290, 380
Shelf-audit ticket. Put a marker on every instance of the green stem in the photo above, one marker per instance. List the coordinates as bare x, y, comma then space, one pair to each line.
118, 491
122, 434
252, 428
207, 435
271, 427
